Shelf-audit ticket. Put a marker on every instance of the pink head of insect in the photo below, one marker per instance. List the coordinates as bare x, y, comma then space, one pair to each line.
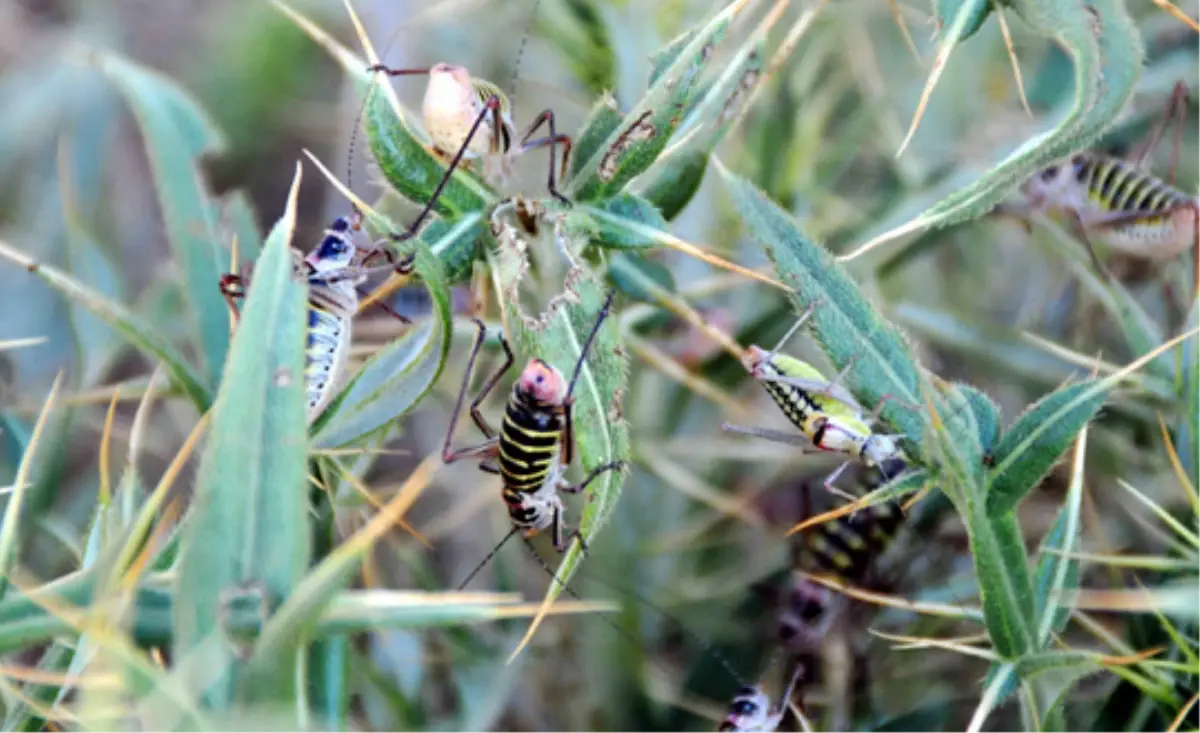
543, 383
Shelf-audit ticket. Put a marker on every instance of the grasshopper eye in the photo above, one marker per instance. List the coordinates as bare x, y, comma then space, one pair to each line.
1050, 173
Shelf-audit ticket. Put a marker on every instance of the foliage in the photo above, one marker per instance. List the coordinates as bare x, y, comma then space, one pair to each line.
237, 565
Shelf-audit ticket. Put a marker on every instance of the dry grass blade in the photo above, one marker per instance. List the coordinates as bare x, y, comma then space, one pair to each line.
1181, 476
360, 486
923, 642
22, 343
943, 610
1012, 57
104, 467
152, 510
1187, 708
688, 483
1178, 14
908, 39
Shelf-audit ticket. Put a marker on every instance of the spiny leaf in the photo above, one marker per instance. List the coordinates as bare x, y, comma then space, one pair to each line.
247, 538
1034, 443
645, 131
601, 123
625, 206
847, 327
1107, 53
987, 416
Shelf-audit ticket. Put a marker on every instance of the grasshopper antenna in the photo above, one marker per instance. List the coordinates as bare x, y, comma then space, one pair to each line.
512, 95
483, 563
704, 644
591, 337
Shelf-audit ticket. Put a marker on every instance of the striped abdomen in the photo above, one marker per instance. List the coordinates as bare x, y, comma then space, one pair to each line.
797, 404
327, 346
1116, 186
529, 443
847, 546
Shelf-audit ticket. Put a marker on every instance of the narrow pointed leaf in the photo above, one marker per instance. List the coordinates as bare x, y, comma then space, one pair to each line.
1035, 442
170, 121
247, 540
643, 134
140, 334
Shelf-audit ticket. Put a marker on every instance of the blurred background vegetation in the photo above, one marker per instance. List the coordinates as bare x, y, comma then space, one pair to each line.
700, 526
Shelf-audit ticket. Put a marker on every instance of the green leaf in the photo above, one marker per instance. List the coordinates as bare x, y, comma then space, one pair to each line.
645, 131
987, 415
1035, 442
410, 169
1005, 588
613, 232
676, 179
393, 380
844, 323
247, 539
600, 125
174, 130
139, 333
457, 244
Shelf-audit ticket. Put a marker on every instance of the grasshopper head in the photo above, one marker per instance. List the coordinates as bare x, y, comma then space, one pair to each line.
335, 251
1053, 186
747, 711
543, 383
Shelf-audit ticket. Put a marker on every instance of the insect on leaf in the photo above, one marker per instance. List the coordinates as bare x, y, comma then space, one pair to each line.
393, 380
247, 538
844, 323
601, 433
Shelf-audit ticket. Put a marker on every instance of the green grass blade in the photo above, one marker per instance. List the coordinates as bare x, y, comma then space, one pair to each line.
1054, 571
248, 527
170, 121
1035, 442
1187, 431
139, 333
